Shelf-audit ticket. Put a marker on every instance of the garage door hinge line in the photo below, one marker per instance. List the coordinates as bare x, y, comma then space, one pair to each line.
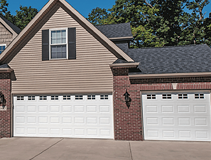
47, 149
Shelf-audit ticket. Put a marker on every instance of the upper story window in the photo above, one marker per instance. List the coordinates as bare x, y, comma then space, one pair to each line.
58, 44
2, 47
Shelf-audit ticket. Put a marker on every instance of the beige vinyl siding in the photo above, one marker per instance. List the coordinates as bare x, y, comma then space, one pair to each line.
5, 35
90, 72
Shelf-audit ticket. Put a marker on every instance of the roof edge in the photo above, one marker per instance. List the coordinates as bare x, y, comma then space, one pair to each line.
121, 38
169, 75
95, 30
37, 18
27, 28
14, 34
125, 65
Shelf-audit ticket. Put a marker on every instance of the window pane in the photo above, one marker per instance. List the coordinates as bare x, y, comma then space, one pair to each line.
2, 48
58, 37
53, 34
58, 51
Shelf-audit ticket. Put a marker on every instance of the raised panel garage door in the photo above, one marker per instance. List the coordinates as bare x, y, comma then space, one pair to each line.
177, 116
80, 116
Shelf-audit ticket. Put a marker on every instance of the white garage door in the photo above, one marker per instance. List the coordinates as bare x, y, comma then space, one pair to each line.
177, 116
80, 116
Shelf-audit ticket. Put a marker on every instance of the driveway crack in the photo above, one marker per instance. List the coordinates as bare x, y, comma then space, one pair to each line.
46, 149
131, 155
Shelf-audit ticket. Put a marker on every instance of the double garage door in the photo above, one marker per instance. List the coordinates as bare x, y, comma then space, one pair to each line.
77, 116
177, 116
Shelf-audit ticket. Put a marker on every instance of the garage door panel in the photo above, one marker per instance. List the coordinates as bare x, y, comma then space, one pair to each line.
175, 118
64, 118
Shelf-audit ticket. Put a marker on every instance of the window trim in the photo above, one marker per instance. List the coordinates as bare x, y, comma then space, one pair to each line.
5, 47
50, 44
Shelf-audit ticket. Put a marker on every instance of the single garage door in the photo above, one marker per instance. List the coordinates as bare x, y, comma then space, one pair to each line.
177, 116
77, 116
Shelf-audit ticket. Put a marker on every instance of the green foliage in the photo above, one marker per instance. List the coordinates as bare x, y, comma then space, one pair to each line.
22, 17
3, 7
98, 16
157, 23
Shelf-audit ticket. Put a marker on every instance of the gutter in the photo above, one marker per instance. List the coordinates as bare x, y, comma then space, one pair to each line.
5, 70
121, 38
170, 75
124, 65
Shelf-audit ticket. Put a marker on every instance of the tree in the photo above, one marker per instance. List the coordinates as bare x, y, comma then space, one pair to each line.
157, 23
197, 21
98, 16
207, 24
3, 7
24, 16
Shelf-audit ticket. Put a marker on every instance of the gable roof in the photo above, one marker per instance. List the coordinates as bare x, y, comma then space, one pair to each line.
86, 24
175, 59
116, 31
11, 27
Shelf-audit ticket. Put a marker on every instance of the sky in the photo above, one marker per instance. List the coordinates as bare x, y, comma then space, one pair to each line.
82, 6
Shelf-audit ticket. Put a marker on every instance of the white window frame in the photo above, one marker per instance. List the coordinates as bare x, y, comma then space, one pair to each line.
58, 29
3, 45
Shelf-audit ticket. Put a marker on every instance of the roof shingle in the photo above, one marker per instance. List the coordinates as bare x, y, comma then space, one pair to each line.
116, 30
179, 59
14, 27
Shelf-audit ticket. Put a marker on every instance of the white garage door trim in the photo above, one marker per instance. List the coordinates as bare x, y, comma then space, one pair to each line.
79, 116
177, 116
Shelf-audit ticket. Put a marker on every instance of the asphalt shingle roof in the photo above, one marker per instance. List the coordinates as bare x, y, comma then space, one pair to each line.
14, 27
4, 66
116, 30
179, 59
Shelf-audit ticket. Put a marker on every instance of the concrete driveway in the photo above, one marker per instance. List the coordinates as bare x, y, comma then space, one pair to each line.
88, 149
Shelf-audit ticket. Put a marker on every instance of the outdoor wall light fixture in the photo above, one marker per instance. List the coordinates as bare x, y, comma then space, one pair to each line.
127, 99
2, 99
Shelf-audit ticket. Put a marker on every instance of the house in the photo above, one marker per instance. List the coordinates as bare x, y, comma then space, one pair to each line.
8, 32
63, 77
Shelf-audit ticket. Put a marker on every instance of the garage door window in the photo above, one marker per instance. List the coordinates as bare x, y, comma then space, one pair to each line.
54, 98
91, 97
79, 97
199, 96
66, 97
151, 96
103, 97
166, 96
182, 96
31, 98
43, 98
20, 98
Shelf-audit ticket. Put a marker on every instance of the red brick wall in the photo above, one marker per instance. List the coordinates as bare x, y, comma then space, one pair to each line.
128, 122
5, 115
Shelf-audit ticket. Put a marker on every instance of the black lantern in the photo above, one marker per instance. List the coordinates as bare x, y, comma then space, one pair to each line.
127, 99
2, 99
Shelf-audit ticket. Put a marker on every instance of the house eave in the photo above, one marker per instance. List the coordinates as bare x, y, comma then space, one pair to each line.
5, 70
169, 75
124, 65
